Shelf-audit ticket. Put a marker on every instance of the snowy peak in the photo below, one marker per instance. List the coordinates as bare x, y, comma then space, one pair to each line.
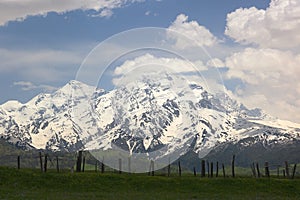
149, 114
11, 106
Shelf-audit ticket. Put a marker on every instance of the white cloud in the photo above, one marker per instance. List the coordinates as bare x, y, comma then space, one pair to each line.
21, 9
106, 13
271, 80
184, 31
149, 13
255, 65
276, 27
26, 86
41, 65
215, 62
173, 64
151, 64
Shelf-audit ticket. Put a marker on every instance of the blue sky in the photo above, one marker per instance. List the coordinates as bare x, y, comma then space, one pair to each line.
42, 45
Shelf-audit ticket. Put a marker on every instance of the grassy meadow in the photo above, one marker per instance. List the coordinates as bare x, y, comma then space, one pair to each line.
33, 184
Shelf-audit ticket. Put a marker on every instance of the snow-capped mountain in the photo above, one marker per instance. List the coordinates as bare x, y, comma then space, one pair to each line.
158, 115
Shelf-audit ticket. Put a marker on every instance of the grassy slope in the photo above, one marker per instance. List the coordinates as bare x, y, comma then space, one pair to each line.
31, 184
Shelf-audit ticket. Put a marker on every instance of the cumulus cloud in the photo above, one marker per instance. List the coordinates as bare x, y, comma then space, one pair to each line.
254, 65
21, 9
184, 31
276, 27
151, 64
269, 70
26, 86
174, 64
271, 80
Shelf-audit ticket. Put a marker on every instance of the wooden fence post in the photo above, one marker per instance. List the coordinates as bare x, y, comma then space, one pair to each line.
79, 160
208, 172
258, 172
102, 167
202, 168
83, 164
41, 161
19, 162
287, 169
277, 171
195, 173
223, 168
129, 165
283, 173
253, 169
294, 171
45, 164
57, 164
217, 170
120, 165
152, 166
96, 166
232, 166
179, 168
267, 172
211, 169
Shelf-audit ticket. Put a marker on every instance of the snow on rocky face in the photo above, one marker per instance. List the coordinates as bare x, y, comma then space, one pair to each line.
155, 116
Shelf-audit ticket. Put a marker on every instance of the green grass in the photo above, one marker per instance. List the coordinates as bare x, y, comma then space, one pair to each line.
32, 184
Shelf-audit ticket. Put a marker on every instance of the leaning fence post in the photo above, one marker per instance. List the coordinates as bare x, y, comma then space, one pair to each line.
179, 168
232, 166
294, 171
258, 172
287, 169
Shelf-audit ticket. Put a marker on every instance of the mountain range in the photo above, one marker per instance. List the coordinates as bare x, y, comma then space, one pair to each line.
155, 116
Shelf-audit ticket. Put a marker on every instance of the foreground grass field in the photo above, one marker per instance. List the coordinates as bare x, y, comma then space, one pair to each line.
32, 184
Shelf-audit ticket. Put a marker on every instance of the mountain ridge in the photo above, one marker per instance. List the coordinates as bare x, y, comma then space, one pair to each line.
152, 115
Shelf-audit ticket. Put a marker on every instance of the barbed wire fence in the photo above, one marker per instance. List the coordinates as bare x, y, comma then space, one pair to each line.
83, 161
